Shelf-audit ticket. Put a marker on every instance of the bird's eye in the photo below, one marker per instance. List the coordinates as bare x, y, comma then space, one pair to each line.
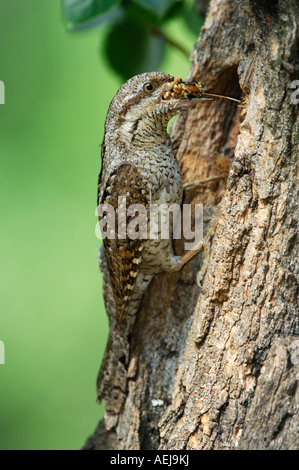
148, 87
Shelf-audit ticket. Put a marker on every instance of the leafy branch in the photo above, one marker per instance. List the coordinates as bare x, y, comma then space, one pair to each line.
135, 38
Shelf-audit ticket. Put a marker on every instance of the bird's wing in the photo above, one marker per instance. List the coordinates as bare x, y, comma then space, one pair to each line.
124, 255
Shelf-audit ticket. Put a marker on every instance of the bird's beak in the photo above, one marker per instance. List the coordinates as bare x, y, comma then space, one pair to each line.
184, 95
184, 103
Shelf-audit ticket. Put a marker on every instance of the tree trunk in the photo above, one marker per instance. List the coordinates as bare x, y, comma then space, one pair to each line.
213, 356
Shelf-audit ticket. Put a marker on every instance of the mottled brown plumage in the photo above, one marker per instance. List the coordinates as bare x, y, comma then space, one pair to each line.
138, 163
124, 255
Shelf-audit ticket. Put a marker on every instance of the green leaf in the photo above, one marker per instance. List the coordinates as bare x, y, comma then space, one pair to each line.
131, 49
140, 15
81, 14
158, 7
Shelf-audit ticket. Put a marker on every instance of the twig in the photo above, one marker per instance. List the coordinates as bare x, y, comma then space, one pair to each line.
157, 32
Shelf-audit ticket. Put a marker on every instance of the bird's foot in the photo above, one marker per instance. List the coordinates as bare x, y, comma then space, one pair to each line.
180, 261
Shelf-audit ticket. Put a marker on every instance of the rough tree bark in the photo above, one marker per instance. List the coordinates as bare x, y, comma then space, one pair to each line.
216, 366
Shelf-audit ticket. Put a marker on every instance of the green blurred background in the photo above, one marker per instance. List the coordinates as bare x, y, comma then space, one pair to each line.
58, 86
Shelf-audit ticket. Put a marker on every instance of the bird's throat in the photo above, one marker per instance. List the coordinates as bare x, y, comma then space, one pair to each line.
145, 130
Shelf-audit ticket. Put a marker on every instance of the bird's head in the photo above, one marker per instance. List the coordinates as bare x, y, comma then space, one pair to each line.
149, 100
145, 94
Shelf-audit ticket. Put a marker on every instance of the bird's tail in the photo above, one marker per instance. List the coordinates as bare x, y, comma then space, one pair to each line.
112, 378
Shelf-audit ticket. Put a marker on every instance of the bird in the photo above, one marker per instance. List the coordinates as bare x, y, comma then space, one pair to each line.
140, 167
139, 170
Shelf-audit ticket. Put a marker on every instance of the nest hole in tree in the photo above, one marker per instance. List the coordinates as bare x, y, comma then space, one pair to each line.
225, 118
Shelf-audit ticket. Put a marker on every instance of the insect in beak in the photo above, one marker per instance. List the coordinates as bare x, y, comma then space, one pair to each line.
184, 95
